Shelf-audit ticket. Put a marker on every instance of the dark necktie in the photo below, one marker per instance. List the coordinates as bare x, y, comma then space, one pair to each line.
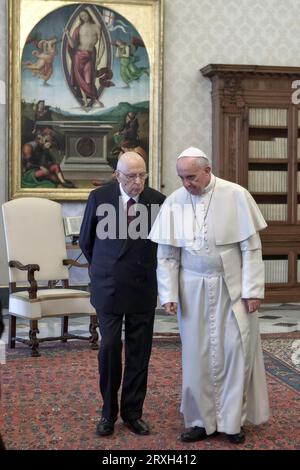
130, 212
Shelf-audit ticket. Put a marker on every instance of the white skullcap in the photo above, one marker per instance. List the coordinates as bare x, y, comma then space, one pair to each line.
194, 153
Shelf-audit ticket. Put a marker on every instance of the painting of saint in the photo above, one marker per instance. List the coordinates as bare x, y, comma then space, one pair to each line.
85, 78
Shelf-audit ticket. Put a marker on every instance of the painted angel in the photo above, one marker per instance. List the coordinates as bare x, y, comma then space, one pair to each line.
129, 71
43, 67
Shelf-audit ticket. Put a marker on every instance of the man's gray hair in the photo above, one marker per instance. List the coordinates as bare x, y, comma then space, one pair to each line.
203, 162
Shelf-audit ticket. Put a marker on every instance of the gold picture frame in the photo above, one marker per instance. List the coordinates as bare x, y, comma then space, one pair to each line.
68, 119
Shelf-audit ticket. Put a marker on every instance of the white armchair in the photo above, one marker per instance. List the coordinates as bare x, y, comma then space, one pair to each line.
36, 251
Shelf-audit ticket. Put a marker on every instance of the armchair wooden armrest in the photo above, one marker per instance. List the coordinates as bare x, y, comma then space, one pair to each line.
30, 268
76, 264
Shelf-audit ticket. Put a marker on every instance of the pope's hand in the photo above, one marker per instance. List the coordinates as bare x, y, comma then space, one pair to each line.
170, 308
252, 304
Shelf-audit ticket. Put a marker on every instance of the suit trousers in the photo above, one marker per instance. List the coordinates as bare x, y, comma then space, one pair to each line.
138, 343
2, 446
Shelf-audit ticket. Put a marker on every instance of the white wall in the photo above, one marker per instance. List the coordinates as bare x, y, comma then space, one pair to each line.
197, 32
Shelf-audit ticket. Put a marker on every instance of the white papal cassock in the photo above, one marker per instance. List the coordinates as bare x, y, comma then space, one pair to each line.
208, 267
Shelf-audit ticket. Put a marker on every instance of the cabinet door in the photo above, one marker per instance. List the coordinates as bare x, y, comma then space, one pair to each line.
269, 162
298, 168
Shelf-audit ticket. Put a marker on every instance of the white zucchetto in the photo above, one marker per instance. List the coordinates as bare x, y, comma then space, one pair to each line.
194, 153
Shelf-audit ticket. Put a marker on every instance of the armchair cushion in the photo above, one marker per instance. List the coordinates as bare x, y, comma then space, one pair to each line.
50, 302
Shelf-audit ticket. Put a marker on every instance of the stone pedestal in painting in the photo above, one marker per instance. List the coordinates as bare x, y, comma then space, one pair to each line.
86, 149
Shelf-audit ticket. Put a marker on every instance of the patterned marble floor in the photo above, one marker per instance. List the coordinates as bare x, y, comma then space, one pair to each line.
274, 318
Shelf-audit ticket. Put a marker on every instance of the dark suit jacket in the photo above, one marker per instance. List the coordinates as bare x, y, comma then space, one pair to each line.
122, 271
1, 321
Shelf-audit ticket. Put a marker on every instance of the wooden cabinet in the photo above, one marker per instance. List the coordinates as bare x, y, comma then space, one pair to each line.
256, 143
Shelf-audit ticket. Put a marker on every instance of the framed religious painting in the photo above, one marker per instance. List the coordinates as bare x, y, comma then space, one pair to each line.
85, 83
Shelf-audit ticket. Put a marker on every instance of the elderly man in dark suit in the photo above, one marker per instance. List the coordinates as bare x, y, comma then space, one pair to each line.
122, 260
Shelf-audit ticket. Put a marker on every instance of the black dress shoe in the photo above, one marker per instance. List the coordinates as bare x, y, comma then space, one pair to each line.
68, 184
196, 434
138, 426
105, 427
238, 438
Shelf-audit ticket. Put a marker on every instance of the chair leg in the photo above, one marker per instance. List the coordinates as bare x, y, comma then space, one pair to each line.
64, 327
34, 342
12, 331
94, 333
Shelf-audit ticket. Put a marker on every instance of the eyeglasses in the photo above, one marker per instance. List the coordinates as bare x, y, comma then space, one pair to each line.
133, 177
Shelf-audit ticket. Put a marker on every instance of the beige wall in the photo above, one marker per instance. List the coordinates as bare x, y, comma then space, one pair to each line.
197, 32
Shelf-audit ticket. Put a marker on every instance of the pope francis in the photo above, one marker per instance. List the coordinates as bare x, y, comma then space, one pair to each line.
210, 271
